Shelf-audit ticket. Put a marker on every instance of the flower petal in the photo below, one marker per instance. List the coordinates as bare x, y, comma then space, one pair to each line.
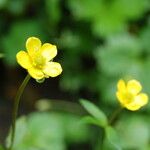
139, 101
133, 106
23, 59
52, 69
134, 86
48, 51
33, 44
36, 73
121, 86
120, 97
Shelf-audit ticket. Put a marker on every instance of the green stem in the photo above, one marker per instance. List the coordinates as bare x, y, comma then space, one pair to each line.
115, 114
15, 108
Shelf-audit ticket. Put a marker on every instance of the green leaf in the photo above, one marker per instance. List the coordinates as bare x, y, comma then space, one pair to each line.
108, 17
42, 131
75, 130
132, 9
82, 9
90, 120
112, 140
95, 112
134, 131
123, 48
16, 7
1, 147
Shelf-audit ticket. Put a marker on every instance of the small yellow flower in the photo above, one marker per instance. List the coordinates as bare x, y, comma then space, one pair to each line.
38, 59
129, 96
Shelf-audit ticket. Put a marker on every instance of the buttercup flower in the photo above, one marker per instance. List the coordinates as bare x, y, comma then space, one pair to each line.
129, 95
38, 59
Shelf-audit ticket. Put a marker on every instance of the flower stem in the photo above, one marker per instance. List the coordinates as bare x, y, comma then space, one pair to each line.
15, 108
115, 114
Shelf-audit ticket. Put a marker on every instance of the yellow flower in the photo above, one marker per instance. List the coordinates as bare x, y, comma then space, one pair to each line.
129, 95
38, 59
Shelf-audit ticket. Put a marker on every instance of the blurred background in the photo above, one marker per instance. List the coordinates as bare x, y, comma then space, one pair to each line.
99, 42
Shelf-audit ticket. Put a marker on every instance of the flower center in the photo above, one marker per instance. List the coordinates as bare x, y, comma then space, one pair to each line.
39, 61
129, 98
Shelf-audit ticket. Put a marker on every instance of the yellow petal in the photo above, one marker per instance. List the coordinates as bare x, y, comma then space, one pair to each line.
23, 59
139, 101
48, 51
52, 69
133, 106
134, 86
33, 44
120, 97
36, 73
121, 86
